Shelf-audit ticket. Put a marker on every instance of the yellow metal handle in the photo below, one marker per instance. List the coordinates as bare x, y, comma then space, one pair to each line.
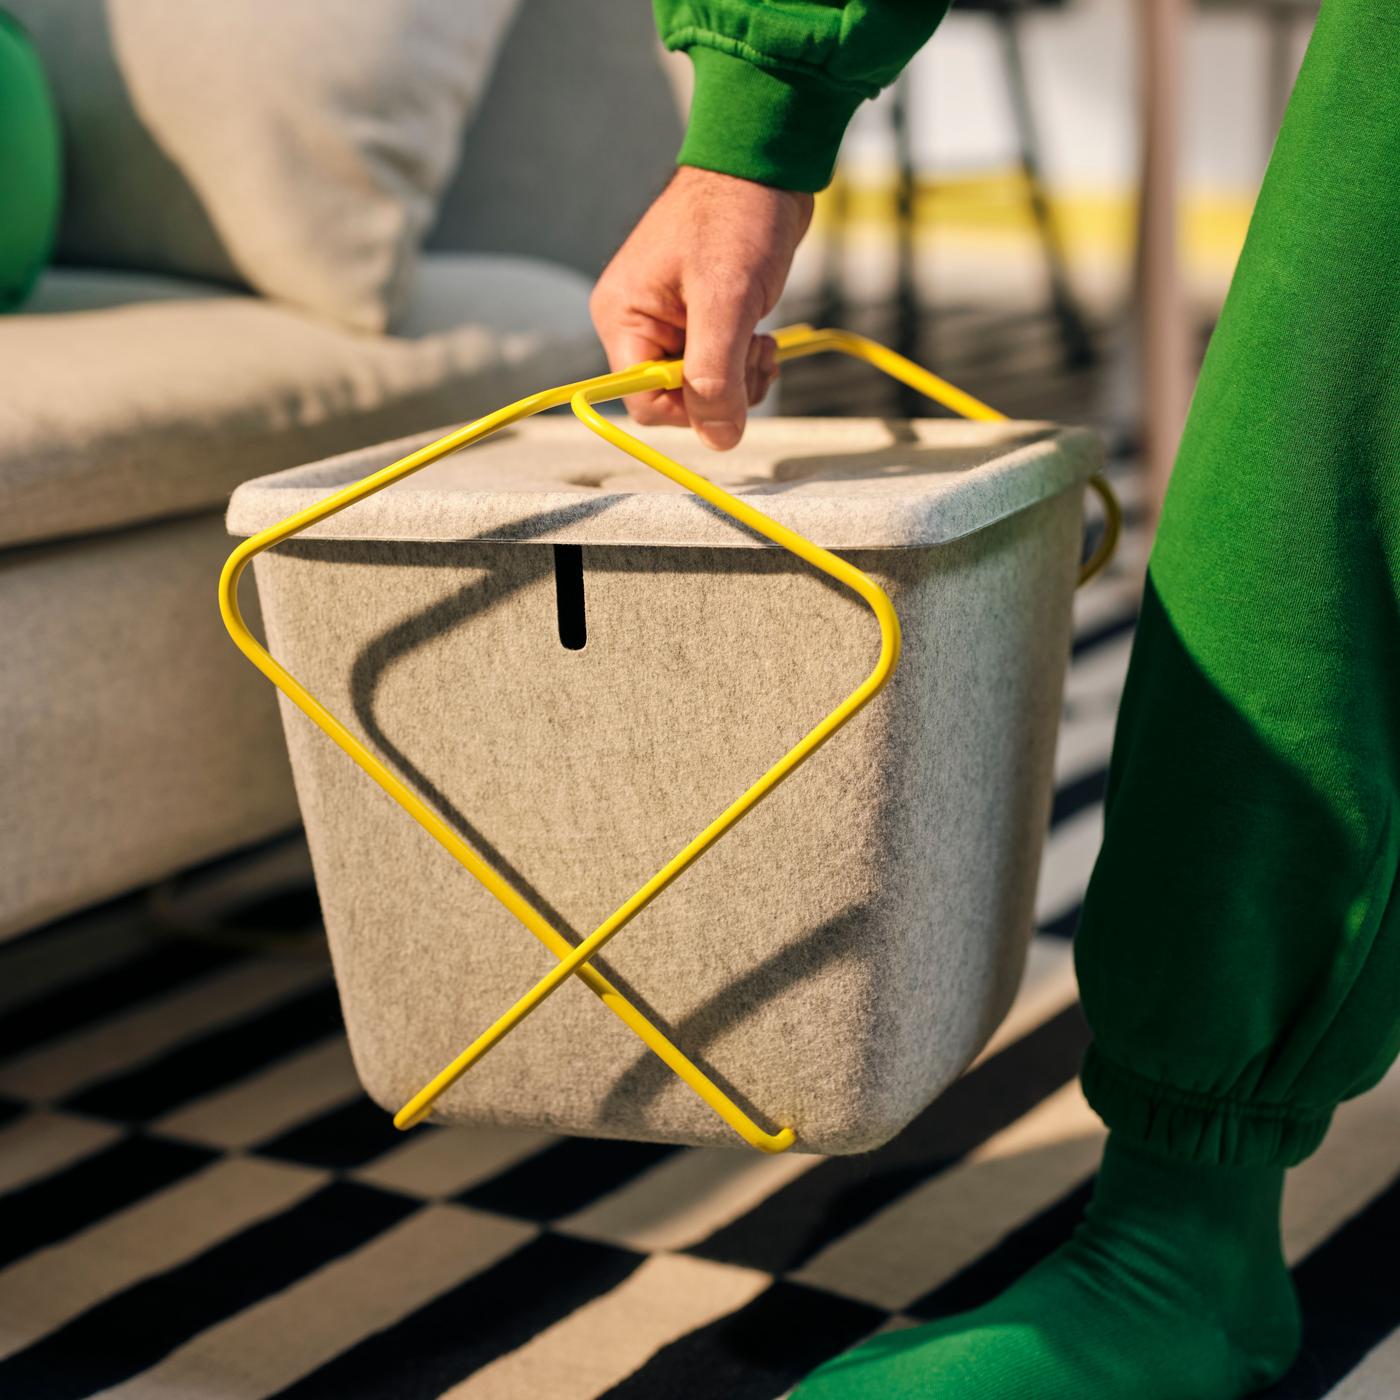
795, 342
792, 342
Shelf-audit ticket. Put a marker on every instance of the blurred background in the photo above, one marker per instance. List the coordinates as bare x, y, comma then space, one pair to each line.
1049, 204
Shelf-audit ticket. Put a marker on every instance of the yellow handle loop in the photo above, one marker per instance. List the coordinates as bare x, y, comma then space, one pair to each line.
793, 342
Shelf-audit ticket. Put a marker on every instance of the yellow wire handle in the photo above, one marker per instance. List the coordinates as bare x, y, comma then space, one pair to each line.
792, 342
796, 342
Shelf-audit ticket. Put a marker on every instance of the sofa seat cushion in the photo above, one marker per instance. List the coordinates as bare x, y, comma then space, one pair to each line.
132, 398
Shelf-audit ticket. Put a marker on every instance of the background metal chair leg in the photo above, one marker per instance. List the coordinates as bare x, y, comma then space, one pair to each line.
1074, 334
908, 340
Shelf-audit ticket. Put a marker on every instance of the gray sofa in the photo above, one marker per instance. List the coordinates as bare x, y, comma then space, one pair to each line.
135, 739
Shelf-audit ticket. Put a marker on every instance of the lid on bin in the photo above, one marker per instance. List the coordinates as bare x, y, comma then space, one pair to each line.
847, 483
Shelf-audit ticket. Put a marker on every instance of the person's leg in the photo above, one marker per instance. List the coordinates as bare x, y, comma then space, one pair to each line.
1239, 954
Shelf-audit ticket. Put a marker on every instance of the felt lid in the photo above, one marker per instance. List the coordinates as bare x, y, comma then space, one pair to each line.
847, 483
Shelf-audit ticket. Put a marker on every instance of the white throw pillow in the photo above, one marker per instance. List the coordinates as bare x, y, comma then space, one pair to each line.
296, 148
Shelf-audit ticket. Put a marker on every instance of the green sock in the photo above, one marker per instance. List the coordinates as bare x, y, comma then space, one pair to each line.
1174, 1285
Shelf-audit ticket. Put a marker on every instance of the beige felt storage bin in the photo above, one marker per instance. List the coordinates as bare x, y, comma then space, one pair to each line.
846, 950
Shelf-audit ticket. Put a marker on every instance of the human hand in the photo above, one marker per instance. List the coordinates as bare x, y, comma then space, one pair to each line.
704, 265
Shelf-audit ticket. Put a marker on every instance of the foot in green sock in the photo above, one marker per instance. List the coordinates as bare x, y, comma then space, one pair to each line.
1172, 1288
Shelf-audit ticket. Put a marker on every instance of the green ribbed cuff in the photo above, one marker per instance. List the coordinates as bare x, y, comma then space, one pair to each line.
779, 128
1199, 1127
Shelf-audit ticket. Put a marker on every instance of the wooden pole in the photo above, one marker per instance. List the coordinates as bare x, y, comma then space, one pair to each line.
1165, 358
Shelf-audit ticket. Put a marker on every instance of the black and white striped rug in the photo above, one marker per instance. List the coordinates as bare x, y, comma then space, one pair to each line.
197, 1203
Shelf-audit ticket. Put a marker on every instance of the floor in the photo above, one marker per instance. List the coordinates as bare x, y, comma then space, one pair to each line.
196, 1201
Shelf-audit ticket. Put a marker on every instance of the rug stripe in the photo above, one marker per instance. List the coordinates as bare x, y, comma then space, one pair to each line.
797, 1221
471, 1325
348, 1135
1069, 858
255, 1109
1377, 1377
72, 1005
439, 1162
1019, 1250
40, 1143
756, 1352
1062, 926
60, 1205
605, 1341
563, 1179
137, 1035
214, 1061
49, 1288
1354, 1164
939, 1228
43, 962
1084, 743
1047, 988
1095, 681
1098, 634
1078, 795
283, 1337
133, 1330
686, 1198
1114, 596
1350, 1294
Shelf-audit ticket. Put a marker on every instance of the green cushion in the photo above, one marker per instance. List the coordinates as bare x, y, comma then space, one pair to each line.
30, 166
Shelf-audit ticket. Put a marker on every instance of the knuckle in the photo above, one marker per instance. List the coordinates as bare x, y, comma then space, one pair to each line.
600, 304
710, 386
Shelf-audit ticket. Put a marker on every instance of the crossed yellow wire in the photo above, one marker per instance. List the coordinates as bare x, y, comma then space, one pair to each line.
793, 342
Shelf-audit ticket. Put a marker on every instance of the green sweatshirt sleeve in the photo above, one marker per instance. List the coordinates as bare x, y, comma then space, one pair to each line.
777, 81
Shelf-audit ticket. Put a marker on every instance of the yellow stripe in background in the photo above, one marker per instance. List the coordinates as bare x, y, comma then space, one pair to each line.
1093, 224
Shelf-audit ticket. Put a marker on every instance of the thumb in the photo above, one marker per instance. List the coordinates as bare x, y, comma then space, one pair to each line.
718, 332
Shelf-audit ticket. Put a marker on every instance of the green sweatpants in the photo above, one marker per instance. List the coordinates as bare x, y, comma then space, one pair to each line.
1239, 954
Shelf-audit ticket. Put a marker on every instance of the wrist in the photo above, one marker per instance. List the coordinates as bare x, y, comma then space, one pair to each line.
702, 182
